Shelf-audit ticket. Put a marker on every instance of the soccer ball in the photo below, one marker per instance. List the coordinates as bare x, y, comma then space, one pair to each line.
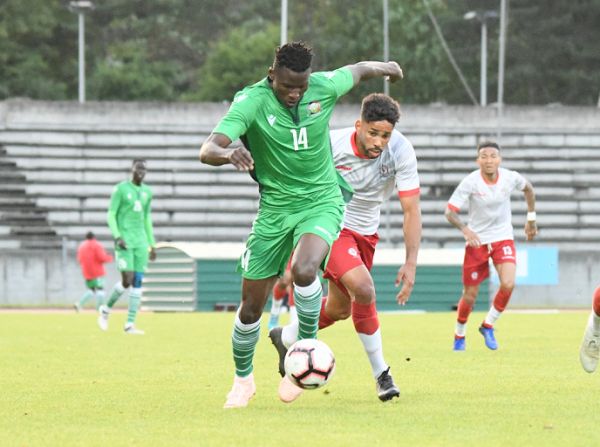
309, 363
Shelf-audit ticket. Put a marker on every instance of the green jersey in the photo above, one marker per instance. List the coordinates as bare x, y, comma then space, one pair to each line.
290, 147
129, 215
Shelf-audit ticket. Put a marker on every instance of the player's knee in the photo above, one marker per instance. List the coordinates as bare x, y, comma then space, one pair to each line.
364, 293
470, 297
507, 285
249, 314
304, 275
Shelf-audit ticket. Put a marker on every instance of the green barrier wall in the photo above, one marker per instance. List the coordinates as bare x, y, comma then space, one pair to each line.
437, 288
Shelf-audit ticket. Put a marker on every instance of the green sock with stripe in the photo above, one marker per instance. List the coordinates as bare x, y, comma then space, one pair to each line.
116, 293
308, 307
135, 295
243, 340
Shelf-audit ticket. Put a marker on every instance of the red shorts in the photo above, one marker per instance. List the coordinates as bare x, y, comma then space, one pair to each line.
476, 265
350, 250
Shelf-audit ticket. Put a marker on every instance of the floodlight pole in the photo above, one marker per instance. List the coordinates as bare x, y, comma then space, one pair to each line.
80, 8
482, 16
386, 44
81, 56
284, 24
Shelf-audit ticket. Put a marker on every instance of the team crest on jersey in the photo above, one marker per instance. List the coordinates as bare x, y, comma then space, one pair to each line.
314, 107
352, 252
384, 170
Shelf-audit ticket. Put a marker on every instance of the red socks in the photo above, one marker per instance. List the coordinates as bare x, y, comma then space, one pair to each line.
324, 320
501, 299
596, 302
464, 310
365, 318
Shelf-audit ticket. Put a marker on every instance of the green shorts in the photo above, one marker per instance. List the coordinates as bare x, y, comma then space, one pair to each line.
96, 283
133, 259
275, 234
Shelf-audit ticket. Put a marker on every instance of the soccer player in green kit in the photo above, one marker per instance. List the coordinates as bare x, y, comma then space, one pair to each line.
130, 223
283, 123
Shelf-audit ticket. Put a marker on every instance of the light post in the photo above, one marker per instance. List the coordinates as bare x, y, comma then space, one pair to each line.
482, 16
80, 8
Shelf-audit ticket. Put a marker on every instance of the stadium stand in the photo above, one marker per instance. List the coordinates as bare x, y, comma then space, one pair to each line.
56, 179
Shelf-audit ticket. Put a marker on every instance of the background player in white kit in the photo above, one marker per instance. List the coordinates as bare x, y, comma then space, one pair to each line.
488, 234
373, 158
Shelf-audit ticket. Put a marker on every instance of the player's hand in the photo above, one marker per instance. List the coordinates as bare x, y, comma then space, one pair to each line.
406, 278
241, 158
531, 230
119, 242
396, 72
471, 237
152, 254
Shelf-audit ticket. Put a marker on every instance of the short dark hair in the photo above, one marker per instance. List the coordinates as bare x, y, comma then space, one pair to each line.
90, 235
138, 160
487, 144
380, 107
297, 56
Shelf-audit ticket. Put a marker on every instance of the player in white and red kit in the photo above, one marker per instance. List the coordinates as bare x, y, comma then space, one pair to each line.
488, 234
373, 158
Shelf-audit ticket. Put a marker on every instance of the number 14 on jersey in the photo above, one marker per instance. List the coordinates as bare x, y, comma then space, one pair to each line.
300, 138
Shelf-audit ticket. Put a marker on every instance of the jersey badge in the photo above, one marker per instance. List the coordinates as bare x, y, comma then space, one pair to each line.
329, 74
314, 107
271, 119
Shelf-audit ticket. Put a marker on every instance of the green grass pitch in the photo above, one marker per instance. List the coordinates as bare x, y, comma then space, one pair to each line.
65, 383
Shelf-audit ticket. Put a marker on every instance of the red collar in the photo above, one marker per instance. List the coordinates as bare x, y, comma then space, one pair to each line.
355, 147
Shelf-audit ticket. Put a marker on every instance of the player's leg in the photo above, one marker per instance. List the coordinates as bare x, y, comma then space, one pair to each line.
124, 261
87, 295
246, 331
465, 307
280, 292
504, 258
135, 297
359, 284
475, 270
99, 295
140, 263
589, 354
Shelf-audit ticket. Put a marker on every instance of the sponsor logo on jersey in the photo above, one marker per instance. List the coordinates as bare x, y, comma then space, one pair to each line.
343, 168
271, 119
314, 107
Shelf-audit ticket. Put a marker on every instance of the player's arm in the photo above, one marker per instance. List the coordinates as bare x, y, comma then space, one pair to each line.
470, 236
215, 151
411, 227
113, 208
362, 71
149, 230
531, 225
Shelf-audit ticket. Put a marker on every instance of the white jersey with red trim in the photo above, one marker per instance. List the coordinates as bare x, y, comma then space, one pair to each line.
373, 180
489, 203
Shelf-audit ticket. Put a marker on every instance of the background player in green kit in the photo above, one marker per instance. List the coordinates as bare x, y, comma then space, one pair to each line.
283, 123
130, 223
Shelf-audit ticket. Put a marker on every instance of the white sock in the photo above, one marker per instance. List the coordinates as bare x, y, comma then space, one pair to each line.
492, 316
374, 349
289, 334
293, 315
461, 329
275, 306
